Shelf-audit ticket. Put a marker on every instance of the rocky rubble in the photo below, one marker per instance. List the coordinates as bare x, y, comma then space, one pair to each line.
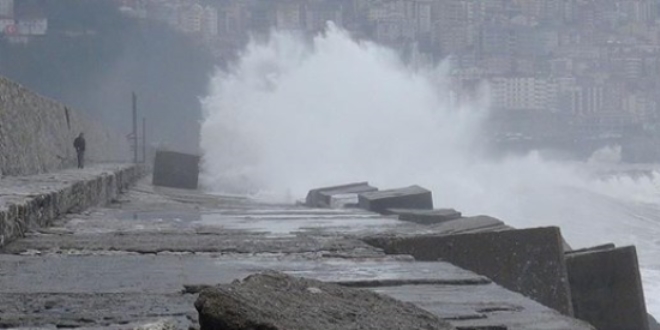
275, 301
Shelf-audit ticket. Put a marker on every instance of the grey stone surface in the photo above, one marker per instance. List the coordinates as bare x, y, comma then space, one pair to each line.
36, 134
322, 197
529, 261
426, 216
483, 307
607, 288
167, 273
653, 323
413, 197
276, 301
176, 170
95, 310
465, 225
119, 259
35, 201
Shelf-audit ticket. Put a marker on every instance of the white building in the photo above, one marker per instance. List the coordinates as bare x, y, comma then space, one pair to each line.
210, 21
191, 18
523, 93
400, 19
288, 16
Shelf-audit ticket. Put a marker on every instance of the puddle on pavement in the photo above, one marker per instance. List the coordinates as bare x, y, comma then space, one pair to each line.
293, 224
158, 216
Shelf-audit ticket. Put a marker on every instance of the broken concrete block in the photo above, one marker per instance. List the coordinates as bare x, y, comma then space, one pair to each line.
528, 261
176, 170
413, 197
276, 301
327, 196
607, 288
426, 217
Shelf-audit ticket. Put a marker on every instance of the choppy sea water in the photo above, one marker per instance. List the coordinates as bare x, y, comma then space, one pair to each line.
293, 113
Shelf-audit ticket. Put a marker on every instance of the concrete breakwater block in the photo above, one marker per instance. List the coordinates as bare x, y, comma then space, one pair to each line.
607, 288
176, 170
603, 247
413, 197
528, 261
276, 301
324, 197
426, 217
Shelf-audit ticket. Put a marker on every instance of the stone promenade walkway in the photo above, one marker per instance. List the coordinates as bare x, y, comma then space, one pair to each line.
138, 262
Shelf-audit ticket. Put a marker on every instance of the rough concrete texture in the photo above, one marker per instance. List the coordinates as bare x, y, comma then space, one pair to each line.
653, 323
118, 259
426, 216
482, 307
35, 201
607, 288
322, 197
175, 169
276, 301
413, 197
36, 134
607, 246
529, 261
465, 225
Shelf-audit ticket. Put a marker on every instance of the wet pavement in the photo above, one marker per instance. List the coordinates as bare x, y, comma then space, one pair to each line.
126, 265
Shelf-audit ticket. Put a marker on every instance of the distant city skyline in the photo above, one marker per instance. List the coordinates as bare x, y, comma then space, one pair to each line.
594, 64
597, 62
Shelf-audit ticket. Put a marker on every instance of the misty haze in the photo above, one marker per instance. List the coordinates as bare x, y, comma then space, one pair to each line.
538, 113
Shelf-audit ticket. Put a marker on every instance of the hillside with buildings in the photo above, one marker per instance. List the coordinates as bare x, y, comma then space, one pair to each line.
577, 69
582, 69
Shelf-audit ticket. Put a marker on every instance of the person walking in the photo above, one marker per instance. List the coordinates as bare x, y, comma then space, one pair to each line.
79, 145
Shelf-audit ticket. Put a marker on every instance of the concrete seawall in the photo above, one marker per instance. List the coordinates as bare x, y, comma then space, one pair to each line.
35, 201
36, 134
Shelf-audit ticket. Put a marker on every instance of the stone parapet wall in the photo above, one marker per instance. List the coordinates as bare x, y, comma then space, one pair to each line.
36, 134
35, 201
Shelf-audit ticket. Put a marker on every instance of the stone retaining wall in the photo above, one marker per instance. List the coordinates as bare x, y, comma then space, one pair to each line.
35, 201
36, 134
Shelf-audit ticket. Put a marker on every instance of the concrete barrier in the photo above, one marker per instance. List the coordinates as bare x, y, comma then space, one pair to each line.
323, 197
176, 170
35, 201
413, 197
528, 261
607, 289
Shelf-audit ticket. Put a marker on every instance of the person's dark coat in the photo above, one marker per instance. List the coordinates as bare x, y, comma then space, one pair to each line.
79, 144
